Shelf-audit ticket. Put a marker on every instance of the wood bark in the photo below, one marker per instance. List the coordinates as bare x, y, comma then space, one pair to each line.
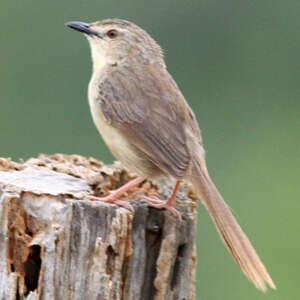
56, 244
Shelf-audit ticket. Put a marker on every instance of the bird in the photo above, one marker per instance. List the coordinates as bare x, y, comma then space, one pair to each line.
150, 128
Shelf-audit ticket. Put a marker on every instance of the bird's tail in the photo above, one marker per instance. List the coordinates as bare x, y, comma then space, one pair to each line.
229, 230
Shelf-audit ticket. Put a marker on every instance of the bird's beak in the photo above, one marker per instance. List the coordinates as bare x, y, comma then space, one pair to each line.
82, 27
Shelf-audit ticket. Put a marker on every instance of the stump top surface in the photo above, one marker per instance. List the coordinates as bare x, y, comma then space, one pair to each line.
42, 181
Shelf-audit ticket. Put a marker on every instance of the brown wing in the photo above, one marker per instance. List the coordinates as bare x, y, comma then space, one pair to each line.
147, 107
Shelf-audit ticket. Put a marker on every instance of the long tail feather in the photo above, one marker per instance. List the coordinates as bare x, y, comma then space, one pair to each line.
230, 231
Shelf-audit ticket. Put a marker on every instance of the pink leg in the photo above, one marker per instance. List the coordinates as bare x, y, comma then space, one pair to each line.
169, 204
113, 197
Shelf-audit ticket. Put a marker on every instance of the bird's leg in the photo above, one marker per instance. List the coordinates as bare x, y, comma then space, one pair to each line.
162, 204
114, 195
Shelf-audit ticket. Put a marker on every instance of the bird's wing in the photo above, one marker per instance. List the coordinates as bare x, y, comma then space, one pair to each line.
146, 106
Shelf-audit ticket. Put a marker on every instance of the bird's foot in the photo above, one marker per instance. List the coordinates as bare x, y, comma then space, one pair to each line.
116, 194
112, 198
162, 204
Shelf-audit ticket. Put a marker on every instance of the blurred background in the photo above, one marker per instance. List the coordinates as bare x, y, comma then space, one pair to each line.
236, 62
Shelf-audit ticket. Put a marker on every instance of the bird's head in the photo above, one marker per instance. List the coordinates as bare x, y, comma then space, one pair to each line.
114, 41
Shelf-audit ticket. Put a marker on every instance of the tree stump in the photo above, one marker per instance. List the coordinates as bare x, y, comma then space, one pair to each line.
55, 244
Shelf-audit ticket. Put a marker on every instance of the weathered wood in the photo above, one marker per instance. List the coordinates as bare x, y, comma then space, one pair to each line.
54, 244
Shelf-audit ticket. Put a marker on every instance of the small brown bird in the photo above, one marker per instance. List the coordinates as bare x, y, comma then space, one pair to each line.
147, 124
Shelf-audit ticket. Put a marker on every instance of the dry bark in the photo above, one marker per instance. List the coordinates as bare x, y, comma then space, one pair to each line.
55, 244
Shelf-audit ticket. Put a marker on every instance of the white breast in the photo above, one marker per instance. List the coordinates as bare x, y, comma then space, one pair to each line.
116, 142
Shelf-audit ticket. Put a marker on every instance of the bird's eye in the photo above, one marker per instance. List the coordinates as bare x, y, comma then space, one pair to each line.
112, 33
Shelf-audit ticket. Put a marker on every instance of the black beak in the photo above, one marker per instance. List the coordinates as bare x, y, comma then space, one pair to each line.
82, 27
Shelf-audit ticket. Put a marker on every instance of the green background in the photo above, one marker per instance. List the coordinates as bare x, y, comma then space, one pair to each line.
236, 62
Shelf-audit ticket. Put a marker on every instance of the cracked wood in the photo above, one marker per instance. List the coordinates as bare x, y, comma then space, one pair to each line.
54, 244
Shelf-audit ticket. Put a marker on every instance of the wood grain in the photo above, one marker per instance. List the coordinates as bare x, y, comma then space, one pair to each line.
54, 244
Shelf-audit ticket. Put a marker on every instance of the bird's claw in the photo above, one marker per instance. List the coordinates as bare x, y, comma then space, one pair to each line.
161, 204
113, 200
